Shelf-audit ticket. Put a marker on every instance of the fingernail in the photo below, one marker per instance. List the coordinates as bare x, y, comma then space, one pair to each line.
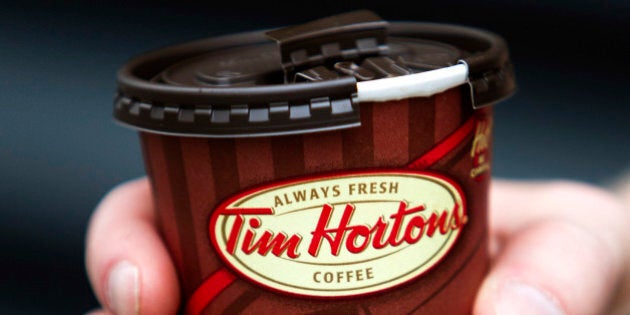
123, 290
516, 298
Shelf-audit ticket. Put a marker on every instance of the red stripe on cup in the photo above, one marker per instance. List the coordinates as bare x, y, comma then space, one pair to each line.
445, 146
210, 288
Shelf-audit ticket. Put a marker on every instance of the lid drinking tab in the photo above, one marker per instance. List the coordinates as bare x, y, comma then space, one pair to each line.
346, 36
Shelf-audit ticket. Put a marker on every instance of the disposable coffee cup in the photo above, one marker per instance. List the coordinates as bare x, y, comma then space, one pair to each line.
339, 166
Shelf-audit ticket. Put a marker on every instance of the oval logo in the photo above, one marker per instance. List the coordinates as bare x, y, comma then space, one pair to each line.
340, 235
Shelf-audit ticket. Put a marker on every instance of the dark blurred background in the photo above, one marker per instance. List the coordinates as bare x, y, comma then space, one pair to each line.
60, 150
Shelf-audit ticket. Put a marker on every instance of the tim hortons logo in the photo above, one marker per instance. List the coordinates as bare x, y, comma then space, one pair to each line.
480, 152
340, 235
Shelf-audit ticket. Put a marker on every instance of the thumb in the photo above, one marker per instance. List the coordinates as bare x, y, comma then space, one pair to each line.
127, 263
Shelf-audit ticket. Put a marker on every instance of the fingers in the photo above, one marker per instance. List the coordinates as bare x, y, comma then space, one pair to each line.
550, 268
621, 304
128, 266
560, 249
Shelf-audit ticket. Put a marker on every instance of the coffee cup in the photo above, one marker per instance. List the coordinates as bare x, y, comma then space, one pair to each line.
337, 166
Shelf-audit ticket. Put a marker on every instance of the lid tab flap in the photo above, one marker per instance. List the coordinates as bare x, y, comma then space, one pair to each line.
346, 36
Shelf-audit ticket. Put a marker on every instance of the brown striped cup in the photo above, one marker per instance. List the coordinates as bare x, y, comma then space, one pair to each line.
385, 213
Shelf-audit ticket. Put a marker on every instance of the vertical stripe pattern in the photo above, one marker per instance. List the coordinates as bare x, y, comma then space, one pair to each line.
448, 114
358, 143
322, 152
183, 213
198, 170
192, 175
254, 157
420, 129
288, 156
390, 133
166, 208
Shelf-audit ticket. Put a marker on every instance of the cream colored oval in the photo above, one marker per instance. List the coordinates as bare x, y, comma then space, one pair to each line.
342, 274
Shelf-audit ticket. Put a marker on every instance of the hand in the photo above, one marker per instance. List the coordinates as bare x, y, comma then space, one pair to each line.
556, 248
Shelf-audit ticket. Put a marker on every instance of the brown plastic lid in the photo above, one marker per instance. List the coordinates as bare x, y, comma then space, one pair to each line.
246, 85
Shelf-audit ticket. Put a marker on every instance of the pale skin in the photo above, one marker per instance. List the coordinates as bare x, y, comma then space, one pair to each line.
556, 248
